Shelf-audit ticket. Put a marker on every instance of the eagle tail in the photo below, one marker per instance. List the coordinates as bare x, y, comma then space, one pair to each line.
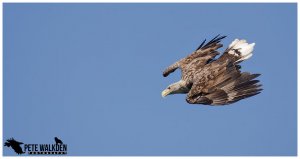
240, 49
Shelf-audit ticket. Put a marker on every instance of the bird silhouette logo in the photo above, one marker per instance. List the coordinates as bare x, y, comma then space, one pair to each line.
15, 145
58, 141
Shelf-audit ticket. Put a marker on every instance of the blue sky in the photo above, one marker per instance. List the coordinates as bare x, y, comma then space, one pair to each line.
91, 74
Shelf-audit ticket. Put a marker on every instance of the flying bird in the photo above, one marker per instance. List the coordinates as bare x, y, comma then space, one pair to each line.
211, 81
58, 141
15, 145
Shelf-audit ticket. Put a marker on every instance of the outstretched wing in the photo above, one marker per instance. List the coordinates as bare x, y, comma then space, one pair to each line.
200, 57
225, 86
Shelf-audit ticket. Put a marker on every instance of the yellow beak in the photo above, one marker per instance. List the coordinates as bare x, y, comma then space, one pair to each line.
165, 93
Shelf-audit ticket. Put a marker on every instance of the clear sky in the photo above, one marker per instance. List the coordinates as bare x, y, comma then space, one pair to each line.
91, 74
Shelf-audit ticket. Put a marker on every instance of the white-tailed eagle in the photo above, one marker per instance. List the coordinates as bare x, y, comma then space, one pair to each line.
212, 81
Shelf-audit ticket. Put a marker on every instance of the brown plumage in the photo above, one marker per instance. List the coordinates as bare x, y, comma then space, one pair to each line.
215, 82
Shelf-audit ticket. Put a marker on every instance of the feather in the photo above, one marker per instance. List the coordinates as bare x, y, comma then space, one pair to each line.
201, 45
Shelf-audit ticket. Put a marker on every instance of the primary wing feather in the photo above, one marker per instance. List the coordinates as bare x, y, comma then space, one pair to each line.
223, 86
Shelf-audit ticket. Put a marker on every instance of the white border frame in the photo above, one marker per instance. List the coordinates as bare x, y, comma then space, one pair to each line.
139, 1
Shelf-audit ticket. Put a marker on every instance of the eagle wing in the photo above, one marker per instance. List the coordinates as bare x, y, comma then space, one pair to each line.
200, 57
223, 84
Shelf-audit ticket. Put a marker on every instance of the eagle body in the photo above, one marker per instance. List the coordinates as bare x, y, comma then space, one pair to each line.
211, 81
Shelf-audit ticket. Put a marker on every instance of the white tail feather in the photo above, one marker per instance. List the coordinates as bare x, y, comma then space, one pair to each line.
241, 48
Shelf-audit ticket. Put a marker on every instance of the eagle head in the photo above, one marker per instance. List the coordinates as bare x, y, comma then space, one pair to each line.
175, 88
